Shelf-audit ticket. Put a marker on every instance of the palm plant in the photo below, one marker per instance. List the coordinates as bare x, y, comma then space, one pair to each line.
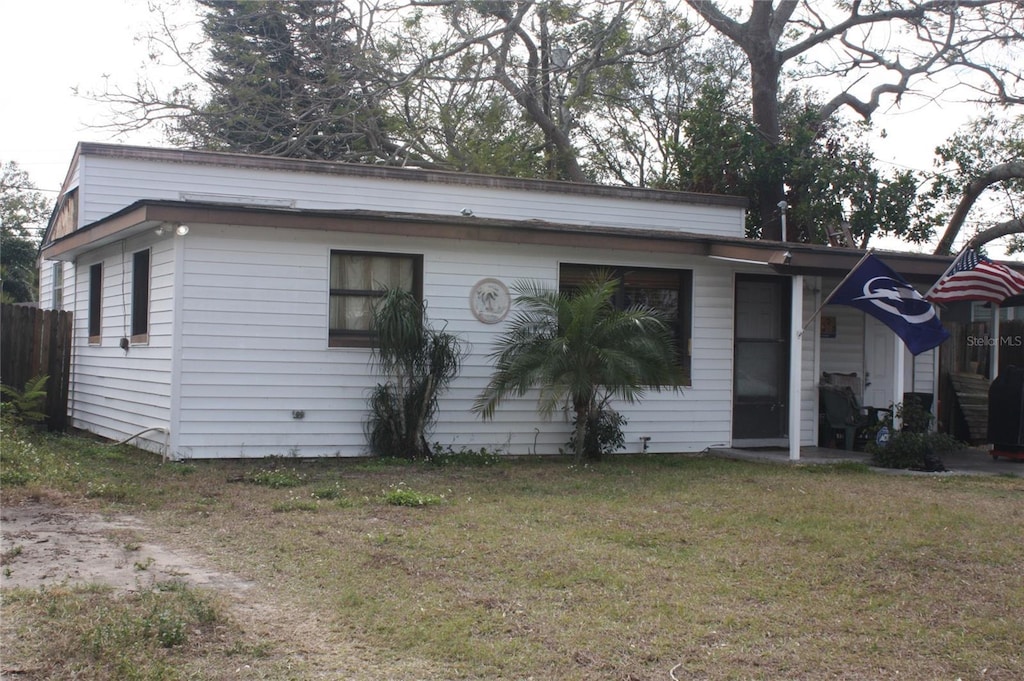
579, 350
419, 363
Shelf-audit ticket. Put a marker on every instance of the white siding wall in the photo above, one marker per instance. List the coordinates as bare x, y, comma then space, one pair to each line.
111, 184
115, 393
45, 291
46, 285
254, 349
810, 371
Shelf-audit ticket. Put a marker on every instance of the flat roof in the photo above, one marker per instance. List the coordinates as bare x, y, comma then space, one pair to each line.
398, 173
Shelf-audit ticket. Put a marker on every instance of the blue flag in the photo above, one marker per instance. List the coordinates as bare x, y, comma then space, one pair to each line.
874, 288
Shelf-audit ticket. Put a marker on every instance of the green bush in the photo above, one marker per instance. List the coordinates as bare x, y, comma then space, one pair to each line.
26, 406
603, 435
914, 447
446, 456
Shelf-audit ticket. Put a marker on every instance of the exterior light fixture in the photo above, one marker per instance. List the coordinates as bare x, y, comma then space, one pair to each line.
181, 230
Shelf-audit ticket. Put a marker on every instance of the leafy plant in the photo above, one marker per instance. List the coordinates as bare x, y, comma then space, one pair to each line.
447, 456
913, 447
28, 405
419, 363
580, 350
603, 434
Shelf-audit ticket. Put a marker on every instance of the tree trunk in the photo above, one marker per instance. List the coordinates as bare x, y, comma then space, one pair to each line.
582, 414
764, 79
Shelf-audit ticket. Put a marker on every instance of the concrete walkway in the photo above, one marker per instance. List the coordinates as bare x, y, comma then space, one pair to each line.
971, 461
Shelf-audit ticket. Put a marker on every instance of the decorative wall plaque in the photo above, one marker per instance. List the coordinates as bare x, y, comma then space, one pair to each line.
490, 301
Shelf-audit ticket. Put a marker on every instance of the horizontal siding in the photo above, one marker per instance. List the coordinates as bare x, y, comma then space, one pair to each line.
808, 374
110, 184
113, 393
845, 353
249, 360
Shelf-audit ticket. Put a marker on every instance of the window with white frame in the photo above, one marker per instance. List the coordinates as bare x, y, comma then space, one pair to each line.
57, 285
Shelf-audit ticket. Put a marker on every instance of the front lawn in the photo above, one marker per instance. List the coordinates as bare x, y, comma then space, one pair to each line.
654, 567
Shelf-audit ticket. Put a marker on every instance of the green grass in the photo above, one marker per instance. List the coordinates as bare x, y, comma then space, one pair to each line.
167, 633
625, 569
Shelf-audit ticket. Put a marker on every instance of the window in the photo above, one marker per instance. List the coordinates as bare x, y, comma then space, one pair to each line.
358, 280
140, 297
666, 290
95, 302
57, 284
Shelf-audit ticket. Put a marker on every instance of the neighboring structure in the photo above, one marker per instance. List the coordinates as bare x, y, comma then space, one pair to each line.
221, 301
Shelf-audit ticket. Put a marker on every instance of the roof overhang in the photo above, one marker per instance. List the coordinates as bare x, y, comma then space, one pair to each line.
781, 258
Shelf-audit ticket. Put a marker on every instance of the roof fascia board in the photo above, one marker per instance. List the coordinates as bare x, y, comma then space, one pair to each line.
784, 258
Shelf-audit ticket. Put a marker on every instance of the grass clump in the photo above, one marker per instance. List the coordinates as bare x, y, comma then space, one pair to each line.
400, 495
296, 504
276, 477
92, 632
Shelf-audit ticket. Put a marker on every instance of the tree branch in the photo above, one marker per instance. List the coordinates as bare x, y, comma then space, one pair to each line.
998, 173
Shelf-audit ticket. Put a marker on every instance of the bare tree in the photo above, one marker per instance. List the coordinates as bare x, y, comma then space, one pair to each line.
572, 69
888, 47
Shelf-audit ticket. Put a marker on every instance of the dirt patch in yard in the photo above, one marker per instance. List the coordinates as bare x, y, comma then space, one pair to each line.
45, 545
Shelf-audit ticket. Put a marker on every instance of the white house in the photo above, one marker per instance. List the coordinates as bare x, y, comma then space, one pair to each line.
219, 302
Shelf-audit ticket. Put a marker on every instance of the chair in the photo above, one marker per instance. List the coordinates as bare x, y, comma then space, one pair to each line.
840, 414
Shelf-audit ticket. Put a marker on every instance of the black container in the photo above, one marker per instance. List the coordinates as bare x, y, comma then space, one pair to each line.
1006, 409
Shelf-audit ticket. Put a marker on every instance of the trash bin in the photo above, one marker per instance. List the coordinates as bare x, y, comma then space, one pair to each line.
1006, 414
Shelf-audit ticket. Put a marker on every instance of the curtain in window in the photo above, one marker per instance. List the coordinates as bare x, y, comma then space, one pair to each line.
356, 282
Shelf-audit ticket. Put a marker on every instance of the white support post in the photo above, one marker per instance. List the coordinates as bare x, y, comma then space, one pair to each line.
795, 365
897, 379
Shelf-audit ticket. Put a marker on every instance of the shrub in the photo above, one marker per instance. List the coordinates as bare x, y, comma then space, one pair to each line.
26, 406
446, 456
914, 447
603, 435
417, 364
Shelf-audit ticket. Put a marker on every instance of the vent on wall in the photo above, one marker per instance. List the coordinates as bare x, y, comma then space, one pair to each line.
238, 200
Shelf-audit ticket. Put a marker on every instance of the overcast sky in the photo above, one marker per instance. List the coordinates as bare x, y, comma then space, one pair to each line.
49, 48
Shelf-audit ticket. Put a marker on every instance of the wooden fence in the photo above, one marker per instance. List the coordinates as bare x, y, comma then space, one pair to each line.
35, 342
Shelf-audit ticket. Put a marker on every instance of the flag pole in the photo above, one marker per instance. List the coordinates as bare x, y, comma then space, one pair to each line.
837, 287
948, 270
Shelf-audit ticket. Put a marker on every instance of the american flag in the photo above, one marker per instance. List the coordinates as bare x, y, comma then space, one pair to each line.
974, 277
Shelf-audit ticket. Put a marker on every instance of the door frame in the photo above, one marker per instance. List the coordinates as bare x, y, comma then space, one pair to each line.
781, 439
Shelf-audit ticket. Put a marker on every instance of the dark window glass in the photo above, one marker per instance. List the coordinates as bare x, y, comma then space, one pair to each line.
95, 302
140, 295
666, 290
